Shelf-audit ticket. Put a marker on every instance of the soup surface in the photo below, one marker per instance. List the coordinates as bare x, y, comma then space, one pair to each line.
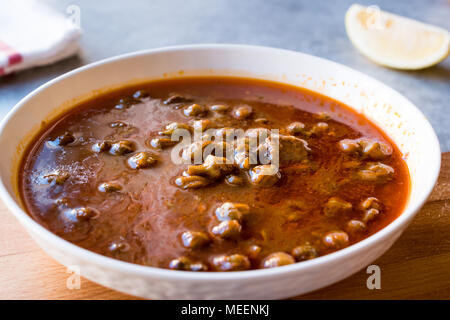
107, 176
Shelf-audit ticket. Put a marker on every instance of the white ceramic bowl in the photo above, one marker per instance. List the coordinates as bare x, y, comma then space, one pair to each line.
397, 116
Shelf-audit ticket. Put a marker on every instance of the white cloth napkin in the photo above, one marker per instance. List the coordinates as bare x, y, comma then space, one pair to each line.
33, 34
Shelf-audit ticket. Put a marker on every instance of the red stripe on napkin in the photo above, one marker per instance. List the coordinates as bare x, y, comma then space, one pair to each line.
14, 57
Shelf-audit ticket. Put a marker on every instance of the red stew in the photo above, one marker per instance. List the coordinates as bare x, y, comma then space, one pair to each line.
102, 176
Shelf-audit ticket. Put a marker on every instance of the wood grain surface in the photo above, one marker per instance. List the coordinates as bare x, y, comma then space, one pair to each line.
416, 267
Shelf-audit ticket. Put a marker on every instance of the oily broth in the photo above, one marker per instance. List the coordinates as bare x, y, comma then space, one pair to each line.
152, 213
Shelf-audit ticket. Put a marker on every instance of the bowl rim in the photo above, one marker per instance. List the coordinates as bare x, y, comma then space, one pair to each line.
149, 271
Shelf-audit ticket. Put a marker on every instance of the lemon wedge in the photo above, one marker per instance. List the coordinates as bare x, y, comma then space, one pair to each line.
395, 41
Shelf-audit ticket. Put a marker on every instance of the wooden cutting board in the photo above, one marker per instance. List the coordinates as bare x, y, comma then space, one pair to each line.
416, 267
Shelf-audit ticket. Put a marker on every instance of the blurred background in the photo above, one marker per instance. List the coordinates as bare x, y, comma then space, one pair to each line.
315, 27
